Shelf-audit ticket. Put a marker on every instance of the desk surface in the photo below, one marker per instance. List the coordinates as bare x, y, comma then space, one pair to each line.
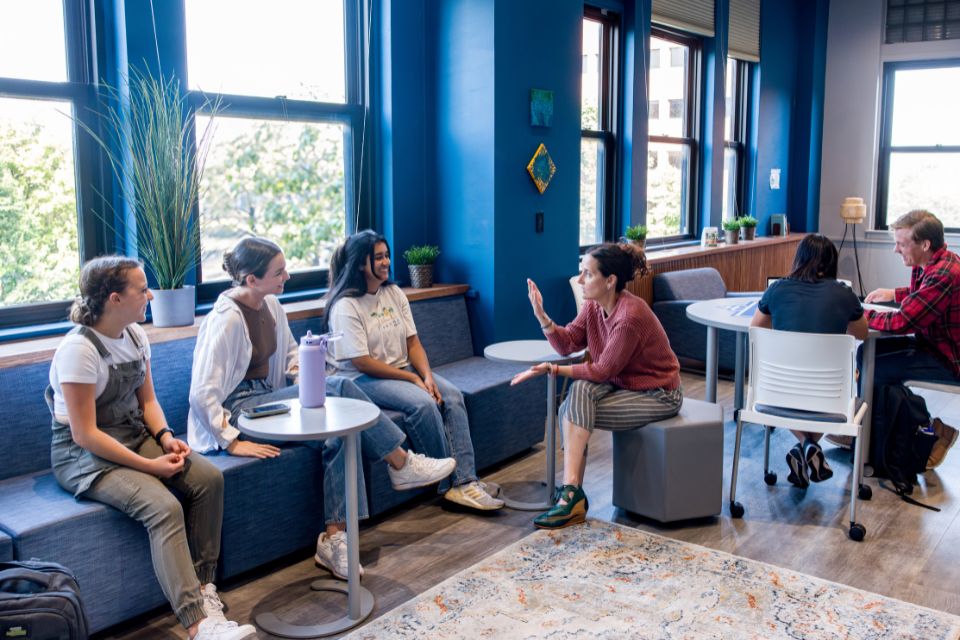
735, 313
526, 352
338, 417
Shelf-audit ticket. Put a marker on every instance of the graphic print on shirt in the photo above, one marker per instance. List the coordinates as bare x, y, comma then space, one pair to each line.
387, 317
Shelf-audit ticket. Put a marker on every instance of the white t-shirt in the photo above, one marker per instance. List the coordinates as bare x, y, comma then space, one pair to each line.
376, 325
77, 360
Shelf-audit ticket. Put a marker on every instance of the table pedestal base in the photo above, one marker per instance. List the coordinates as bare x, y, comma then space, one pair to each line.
520, 505
273, 625
551, 453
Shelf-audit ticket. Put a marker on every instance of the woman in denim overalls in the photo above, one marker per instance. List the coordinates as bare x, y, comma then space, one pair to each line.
111, 443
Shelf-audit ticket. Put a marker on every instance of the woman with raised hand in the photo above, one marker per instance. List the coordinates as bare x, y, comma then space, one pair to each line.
111, 443
811, 300
381, 352
246, 356
632, 379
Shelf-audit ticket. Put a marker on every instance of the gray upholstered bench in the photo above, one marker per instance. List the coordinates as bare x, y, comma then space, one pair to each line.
6, 547
672, 469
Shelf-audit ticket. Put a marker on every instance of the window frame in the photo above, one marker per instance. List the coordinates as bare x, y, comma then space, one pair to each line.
739, 121
92, 184
886, 148
351, 113
691, 137
608, 115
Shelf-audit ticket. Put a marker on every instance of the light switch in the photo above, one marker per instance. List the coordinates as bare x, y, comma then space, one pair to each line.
774, 178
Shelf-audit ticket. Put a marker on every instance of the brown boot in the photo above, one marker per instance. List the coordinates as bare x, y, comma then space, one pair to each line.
946, 438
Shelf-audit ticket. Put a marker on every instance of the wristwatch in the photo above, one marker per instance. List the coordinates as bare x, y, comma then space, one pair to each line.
158, 436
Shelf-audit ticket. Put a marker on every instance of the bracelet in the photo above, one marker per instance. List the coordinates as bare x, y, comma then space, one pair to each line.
544, 327
158, 436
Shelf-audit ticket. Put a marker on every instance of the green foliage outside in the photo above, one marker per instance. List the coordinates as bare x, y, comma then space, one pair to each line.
664, 201
421, 254
39, 256
280, 180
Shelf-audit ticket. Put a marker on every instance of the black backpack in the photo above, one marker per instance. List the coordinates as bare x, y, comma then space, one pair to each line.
901, 442
40, 601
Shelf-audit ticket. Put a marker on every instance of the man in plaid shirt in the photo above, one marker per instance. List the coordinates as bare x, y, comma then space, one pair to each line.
929, 309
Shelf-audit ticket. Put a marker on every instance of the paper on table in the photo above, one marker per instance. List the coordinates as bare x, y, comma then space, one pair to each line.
743, 309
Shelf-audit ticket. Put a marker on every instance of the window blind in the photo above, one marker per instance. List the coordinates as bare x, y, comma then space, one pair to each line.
922, 20
744, 24
694, 16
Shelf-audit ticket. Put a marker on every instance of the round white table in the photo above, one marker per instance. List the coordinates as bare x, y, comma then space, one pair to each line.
339, 417
530, 352
735, 314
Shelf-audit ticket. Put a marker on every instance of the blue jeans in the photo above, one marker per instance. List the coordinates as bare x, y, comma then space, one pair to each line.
438, 431
376, 442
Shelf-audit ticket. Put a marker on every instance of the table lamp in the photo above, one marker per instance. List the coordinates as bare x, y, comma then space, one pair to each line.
853, 211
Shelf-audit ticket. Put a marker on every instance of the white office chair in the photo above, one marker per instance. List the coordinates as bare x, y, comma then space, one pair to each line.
803, 381
577, 291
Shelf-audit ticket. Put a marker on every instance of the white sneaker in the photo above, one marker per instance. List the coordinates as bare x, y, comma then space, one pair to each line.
492, 489
473, 496
220, 629
420, 471
212, 604
332, 554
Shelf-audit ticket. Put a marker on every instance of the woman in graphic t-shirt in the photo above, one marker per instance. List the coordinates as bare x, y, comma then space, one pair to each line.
380, 350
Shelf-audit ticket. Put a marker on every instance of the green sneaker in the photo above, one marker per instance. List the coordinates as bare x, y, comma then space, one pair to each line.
564, 515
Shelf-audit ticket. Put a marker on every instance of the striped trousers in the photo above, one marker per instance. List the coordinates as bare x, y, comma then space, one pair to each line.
593, 405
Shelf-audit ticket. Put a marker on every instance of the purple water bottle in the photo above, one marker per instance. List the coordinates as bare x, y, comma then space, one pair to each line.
313, 372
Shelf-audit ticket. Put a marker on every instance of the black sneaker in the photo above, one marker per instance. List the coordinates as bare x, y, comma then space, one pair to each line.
798, 467
817, 464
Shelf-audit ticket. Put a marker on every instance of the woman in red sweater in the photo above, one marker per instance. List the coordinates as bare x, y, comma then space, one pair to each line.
633, 377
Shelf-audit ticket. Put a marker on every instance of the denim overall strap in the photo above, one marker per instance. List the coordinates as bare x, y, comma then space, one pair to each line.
118, 414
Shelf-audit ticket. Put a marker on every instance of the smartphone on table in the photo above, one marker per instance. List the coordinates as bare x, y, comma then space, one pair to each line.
265, 410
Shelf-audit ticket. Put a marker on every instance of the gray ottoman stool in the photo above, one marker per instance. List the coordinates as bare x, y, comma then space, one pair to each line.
672, 469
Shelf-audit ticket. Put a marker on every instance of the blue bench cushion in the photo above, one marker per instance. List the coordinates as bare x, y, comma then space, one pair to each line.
504, 420
107, 551
24, 420
6, 547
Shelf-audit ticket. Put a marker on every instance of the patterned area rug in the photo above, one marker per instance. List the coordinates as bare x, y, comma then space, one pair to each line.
603, 580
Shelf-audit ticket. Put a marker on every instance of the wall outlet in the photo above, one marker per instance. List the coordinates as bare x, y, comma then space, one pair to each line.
774, 178
539, 221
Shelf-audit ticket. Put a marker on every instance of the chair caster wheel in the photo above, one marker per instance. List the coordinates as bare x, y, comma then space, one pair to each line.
864, 492
736, 510
770, 478
857, 532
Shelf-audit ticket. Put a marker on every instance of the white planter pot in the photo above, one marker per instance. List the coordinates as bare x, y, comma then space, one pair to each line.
173, 307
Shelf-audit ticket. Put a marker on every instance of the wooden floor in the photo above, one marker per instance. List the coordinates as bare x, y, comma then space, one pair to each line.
909, 552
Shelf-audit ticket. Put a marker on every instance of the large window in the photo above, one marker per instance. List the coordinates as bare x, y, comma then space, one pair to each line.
920, 141
286, 148
598, 123
735, 134
671, 176
41, 92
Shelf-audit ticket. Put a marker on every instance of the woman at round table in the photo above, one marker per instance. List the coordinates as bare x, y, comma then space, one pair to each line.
111, 444
381, 352
246, 355
632, 379
811, 300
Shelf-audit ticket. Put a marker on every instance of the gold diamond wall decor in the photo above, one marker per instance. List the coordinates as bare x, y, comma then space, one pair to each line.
541, 168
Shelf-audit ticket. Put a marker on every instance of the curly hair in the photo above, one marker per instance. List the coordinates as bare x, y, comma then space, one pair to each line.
98, 279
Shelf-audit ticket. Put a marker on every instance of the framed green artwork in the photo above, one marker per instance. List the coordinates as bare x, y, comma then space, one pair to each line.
541, 108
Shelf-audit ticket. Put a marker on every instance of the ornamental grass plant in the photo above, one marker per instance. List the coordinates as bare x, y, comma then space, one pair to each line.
149, 141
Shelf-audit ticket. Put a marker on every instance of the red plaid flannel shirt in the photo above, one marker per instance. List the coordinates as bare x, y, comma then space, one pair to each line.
929, 308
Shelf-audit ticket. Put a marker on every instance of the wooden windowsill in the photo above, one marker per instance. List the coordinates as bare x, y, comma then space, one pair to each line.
37, 350
655, 256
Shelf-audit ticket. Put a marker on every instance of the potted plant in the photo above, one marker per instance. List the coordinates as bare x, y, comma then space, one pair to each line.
637, 234
420, 259
150, 146
731, 231
748, 227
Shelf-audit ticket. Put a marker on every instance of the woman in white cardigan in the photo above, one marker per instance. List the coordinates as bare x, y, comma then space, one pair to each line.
246, 355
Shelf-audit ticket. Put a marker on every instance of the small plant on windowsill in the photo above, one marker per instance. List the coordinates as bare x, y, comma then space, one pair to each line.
731, 231
637, 234
748, 227
420, 260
